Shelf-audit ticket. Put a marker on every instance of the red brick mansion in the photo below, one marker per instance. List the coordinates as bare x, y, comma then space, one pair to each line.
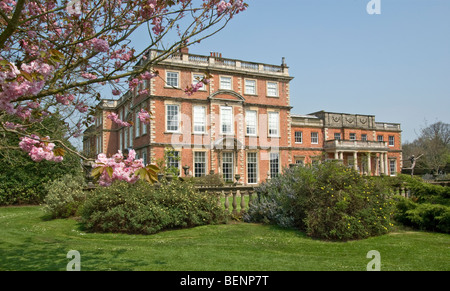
239, 123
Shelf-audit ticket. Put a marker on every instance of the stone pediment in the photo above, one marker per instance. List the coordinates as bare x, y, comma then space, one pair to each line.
227, 143
226, 95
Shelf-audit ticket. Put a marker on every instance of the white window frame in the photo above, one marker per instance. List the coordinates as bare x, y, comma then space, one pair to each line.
137, 123
205, 162
380, 138
255, 162
225, 86
195, 81
274, 156
250, 89
352, 136
273, 126
199, 118
144, 157
314, 139
230, 162
392, 167
296, 137
120, 132
251, 124
177, 120
173, 160
391, 138
364, 137
169, 84
270, 89
337, 136
224, 109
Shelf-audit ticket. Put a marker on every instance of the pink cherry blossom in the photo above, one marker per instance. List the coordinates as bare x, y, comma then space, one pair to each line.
115, 118
144, 116
100, 45
39, 149
123, 169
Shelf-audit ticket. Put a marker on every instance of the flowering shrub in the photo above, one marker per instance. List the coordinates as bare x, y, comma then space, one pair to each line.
141, 208
328, 201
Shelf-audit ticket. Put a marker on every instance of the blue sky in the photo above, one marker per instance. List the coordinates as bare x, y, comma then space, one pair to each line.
394, 65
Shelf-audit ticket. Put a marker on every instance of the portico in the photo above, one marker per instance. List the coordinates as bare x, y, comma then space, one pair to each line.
367, 157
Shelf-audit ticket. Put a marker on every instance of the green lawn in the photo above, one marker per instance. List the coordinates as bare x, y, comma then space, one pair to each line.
30, 242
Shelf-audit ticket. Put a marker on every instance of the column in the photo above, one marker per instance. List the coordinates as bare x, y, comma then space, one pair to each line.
355, 160
377, 164
386, 164
381, 163
369, 164
341, 156
336, 155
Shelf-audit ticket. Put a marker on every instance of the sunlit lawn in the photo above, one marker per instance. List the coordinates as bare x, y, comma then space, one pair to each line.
28, 241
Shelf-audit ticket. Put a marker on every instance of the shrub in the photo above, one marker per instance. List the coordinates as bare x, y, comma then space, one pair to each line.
64, 196
142, 208
424, 216
328, 201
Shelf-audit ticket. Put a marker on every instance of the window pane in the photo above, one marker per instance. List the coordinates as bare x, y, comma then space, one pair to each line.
172, 117
391, 140
172, 79
250, 118
252, 168
227, 166
364, 137
199, 164
197, 79
226, 118
337, 136
250, 87
392, 167
274, 164
173, 161
298, 137
352, 136
199, 119
272, 89
314, 137
225, 83
274, 121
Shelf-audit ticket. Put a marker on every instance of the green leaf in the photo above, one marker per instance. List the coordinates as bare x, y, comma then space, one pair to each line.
27, 76
153, 168
97, 171
57, 54
110, 171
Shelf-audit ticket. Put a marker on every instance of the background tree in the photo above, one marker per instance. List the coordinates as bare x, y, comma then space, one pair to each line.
434, 146
22, 180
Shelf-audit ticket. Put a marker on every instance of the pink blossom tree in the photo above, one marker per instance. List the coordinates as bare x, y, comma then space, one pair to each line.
56, 55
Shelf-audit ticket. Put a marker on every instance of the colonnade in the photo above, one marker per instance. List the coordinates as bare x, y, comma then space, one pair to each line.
381, 161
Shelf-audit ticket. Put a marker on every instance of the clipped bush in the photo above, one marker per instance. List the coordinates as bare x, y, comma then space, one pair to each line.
142, 208
424, 216
327, 201
64, 196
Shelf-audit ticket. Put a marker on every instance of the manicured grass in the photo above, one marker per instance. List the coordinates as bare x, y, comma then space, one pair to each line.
28, 241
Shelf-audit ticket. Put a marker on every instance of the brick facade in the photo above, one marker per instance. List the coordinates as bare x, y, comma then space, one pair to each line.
240, 123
